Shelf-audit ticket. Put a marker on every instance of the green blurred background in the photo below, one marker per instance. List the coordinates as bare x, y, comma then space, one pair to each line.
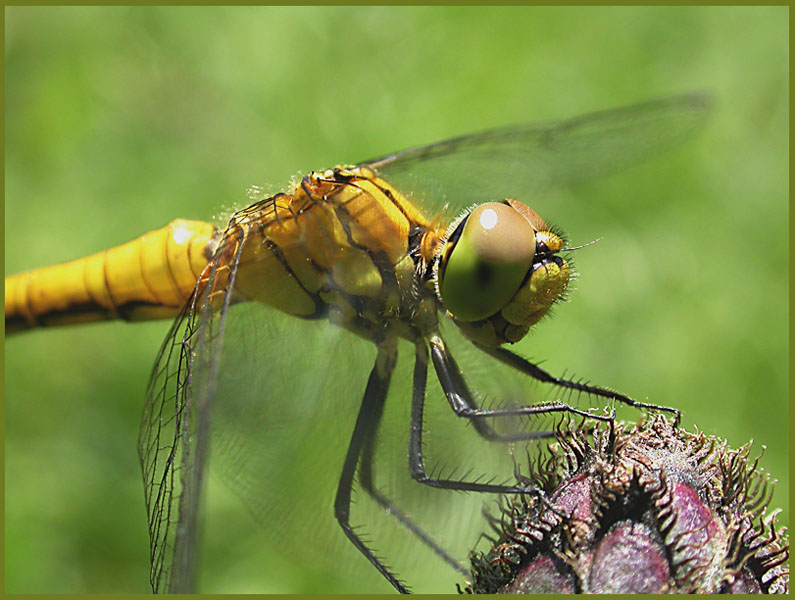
121, 119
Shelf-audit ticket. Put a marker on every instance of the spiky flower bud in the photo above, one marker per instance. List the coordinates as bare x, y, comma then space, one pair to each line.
646, 508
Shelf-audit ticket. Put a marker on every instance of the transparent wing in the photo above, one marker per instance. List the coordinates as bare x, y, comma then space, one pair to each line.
521, 161
285, 403
269, 402
174, 440
288, 392
166, 420
266, 400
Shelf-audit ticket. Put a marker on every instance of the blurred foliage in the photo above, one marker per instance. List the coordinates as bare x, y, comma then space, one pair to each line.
121, 119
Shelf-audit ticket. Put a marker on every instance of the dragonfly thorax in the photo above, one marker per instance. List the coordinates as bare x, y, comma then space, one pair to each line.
343, 245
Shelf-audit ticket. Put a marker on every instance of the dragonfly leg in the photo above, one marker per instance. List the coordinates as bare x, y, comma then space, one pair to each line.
525, 366
451, 378
367, 420
366, 479
462, 402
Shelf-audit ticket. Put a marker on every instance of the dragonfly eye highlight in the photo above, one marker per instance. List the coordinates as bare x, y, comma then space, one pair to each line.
485, 261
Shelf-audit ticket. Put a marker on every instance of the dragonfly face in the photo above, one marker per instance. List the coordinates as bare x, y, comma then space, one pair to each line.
268, 356
498, 271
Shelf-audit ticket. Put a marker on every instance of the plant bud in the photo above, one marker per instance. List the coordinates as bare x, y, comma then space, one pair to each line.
634, 509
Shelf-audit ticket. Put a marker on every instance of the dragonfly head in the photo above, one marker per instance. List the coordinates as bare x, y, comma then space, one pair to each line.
498, 271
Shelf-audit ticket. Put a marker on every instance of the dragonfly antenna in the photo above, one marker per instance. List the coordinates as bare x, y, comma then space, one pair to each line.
580, 247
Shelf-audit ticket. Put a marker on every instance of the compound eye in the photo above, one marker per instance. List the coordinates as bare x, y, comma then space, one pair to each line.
485, 261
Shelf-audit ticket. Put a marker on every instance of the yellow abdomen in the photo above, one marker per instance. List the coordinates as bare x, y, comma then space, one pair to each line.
148, 278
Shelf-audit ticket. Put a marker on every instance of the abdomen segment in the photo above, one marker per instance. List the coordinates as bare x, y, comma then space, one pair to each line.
150, 277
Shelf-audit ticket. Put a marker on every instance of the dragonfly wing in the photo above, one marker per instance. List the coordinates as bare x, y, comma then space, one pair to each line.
174, 437
269, 402
288, 391
165, 424
529, 159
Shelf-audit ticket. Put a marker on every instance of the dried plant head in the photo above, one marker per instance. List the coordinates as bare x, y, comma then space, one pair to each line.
646, 508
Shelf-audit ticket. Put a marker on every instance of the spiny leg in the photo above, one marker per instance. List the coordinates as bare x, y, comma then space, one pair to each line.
462, 402
525, 366
453, 374
450, 377
366, 424
366, 480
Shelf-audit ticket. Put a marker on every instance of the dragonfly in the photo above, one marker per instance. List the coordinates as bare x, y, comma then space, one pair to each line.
298, 310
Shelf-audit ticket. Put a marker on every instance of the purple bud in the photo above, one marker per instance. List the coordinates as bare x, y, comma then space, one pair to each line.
632, 509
